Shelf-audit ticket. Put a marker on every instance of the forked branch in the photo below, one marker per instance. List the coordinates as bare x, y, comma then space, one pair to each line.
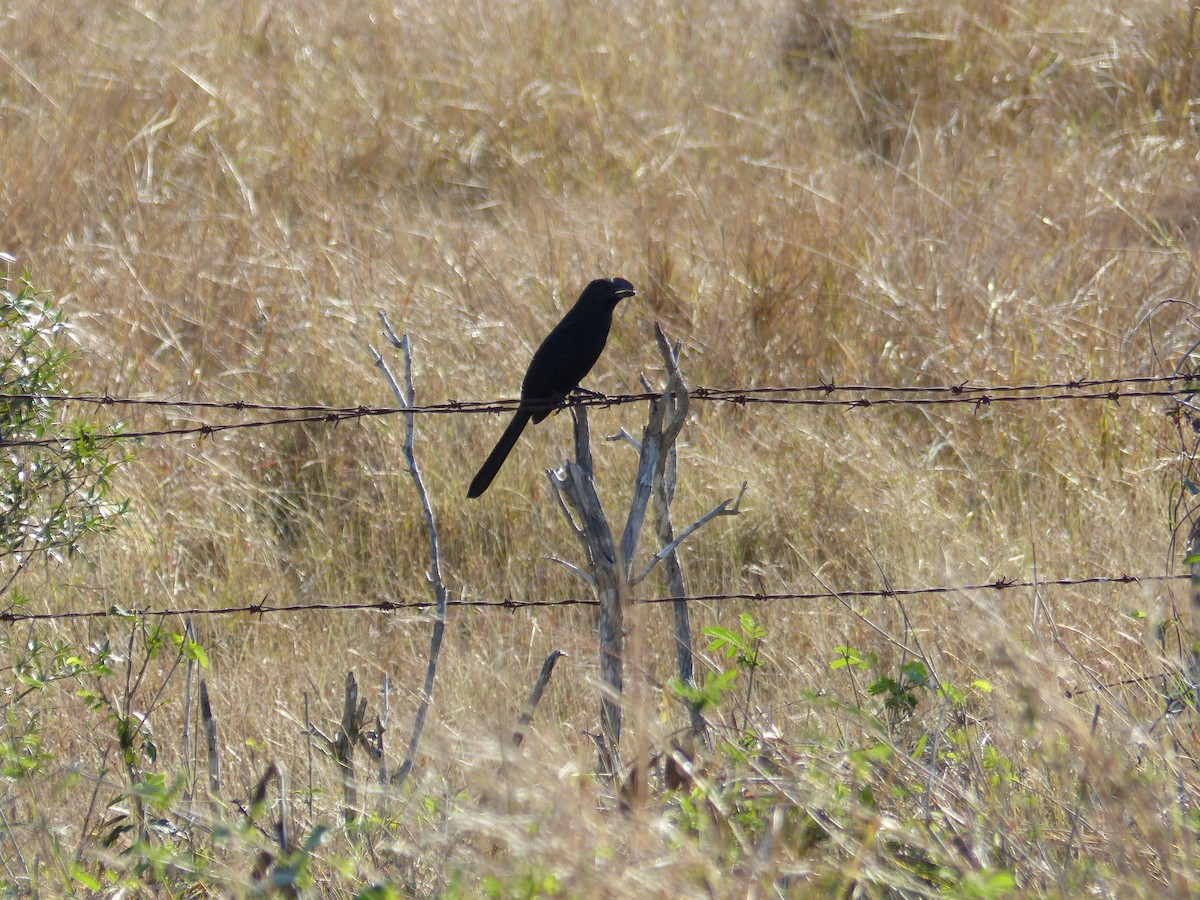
407, 398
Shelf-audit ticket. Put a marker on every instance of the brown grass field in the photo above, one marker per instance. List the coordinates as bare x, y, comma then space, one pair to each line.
224, 195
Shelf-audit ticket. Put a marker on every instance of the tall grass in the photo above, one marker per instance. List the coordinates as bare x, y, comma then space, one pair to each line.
928, 193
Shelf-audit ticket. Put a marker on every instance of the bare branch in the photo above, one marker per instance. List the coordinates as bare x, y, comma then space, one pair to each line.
210, 741
581, 573
722, 509
344, 742
628, 438
580, 505
558, 480
314, 731
407, 398
535, 697
647, 465
583, 444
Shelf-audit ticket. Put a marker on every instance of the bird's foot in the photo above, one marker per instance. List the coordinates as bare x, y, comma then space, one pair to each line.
595, 395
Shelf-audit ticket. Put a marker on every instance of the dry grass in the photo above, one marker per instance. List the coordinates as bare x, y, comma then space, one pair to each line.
833, 189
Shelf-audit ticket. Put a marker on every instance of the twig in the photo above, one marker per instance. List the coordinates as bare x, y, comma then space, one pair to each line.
210, 742
284, 879
578, 571
535, 696
258, 797
308, 736
722, 509
344, 742
407, 398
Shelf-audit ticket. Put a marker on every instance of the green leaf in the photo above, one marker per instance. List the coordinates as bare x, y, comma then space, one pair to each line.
720, 681
848, 656
916, 672
751, 629
876, 753
190, 650
154, 789
986, 885
919, 749
85, 878
724, 640
884, 685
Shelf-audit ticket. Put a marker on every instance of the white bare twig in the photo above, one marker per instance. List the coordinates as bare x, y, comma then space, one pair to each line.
407, 398
578, 571
628, 438
722, 509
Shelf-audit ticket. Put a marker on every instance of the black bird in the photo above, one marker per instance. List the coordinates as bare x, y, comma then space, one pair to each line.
565, 356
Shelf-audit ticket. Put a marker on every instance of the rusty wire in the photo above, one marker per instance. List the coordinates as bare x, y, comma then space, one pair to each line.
822, 394
1001, 584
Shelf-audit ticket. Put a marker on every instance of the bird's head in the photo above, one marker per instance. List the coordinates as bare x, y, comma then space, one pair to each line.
620, 287
609, 291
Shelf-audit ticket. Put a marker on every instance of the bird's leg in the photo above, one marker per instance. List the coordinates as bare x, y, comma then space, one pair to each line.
577, 391
558, 404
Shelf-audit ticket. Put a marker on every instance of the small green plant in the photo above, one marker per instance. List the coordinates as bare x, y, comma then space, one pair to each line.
901, 694
743, 809
55, 474
740, 647
55, 480
530, 884
707, 695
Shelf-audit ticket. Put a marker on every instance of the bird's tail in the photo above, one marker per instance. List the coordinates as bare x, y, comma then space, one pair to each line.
495, 460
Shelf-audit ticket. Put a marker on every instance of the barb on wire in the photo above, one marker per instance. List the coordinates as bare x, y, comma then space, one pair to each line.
1001, 584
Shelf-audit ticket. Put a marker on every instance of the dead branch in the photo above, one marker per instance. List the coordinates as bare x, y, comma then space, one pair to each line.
581, 506
608, 565
210, 742
535, 697
407, 398
354, 712
721, 509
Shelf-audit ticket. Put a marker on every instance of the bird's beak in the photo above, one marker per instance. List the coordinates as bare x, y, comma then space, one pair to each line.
623, 288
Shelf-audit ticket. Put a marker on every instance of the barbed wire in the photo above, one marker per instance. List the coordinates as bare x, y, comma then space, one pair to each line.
1001, 584
964, 389
729, 395
978, 396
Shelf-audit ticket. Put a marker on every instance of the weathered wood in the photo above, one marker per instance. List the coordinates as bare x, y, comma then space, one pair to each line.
574, 483
535, 697
354, 712
210, 742
608, 569
407, 398
677, 399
